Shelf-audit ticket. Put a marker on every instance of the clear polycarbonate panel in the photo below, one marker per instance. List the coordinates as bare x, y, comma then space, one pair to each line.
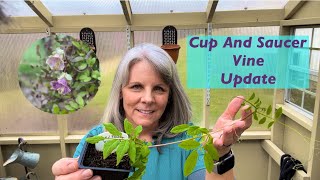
219, 98
83, 7
315, 60
247, 31
154, 37
304, 32
316, 37
16, 8
17, 114
233, 5
167, 6
111, 46
195, 95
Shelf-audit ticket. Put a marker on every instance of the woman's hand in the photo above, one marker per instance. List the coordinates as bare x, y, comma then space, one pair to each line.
228, 131
67, 168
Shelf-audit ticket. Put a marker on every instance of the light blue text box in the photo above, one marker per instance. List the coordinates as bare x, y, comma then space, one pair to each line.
248, 62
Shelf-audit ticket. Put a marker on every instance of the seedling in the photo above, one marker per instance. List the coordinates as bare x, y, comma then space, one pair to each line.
200, 140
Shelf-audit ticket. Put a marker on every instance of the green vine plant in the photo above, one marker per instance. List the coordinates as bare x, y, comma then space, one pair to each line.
260, 113
200, 140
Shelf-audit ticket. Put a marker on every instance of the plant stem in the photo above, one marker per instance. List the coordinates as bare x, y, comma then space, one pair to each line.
218, 130
176, 142
246, 101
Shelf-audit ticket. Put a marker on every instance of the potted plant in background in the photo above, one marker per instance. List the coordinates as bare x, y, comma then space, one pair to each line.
169, 42
172, 50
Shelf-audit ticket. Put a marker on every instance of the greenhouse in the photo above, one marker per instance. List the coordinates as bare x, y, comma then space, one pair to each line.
65, 71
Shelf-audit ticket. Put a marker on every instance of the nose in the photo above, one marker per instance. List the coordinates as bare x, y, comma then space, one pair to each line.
147, 97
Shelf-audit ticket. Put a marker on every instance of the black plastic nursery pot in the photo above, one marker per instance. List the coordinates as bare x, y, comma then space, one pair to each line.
90, 158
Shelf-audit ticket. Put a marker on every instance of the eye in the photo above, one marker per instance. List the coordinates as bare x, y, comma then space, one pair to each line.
136, 87
159, 88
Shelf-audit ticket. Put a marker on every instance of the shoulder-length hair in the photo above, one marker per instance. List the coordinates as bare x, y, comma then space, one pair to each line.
178, 109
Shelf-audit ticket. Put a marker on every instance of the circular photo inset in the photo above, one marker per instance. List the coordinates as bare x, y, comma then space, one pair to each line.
59, 74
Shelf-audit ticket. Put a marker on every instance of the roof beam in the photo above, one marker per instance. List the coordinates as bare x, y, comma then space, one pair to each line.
211, 8
127, 10
145, 22
292, 7
41, 11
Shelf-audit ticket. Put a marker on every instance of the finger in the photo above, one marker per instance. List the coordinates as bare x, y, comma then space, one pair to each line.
233, 108
81, 174
96, 178
65, 166
245, 122
226, 138
246, 115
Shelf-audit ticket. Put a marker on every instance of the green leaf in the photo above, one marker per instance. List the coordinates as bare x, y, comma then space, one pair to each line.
190, 163
82, 93
77, 59
87, 79
68, 76
63, 111
208, 162
138, 173
76, 44
93, 88
122, 149
132, 152
91, 61
180, 128
137, 131
258, 104
211, 150
112, 129
55, 109
128, 128
270, 124
145, 151
269, 110
193, 130
252, 96
189, 144
82, 76
255, 116
278, 113
263, 120
80, 101
204, 130
95, 74
94, 139
82, 66
257, 101
69, 108
74, 104
109, 146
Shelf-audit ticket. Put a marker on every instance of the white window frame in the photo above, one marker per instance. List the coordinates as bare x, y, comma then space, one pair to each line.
300, 108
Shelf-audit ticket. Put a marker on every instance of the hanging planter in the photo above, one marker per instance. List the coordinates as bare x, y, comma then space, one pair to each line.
172, 50
169, 41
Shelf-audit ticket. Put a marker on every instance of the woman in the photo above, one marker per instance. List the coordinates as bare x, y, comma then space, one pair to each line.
147, 91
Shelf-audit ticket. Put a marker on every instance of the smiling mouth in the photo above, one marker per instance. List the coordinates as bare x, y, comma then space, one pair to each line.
145, 111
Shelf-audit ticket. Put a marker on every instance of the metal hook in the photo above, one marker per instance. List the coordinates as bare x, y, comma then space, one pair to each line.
48, 31
21, 142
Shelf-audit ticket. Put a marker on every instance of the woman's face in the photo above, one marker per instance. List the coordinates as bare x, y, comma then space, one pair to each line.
145, 97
